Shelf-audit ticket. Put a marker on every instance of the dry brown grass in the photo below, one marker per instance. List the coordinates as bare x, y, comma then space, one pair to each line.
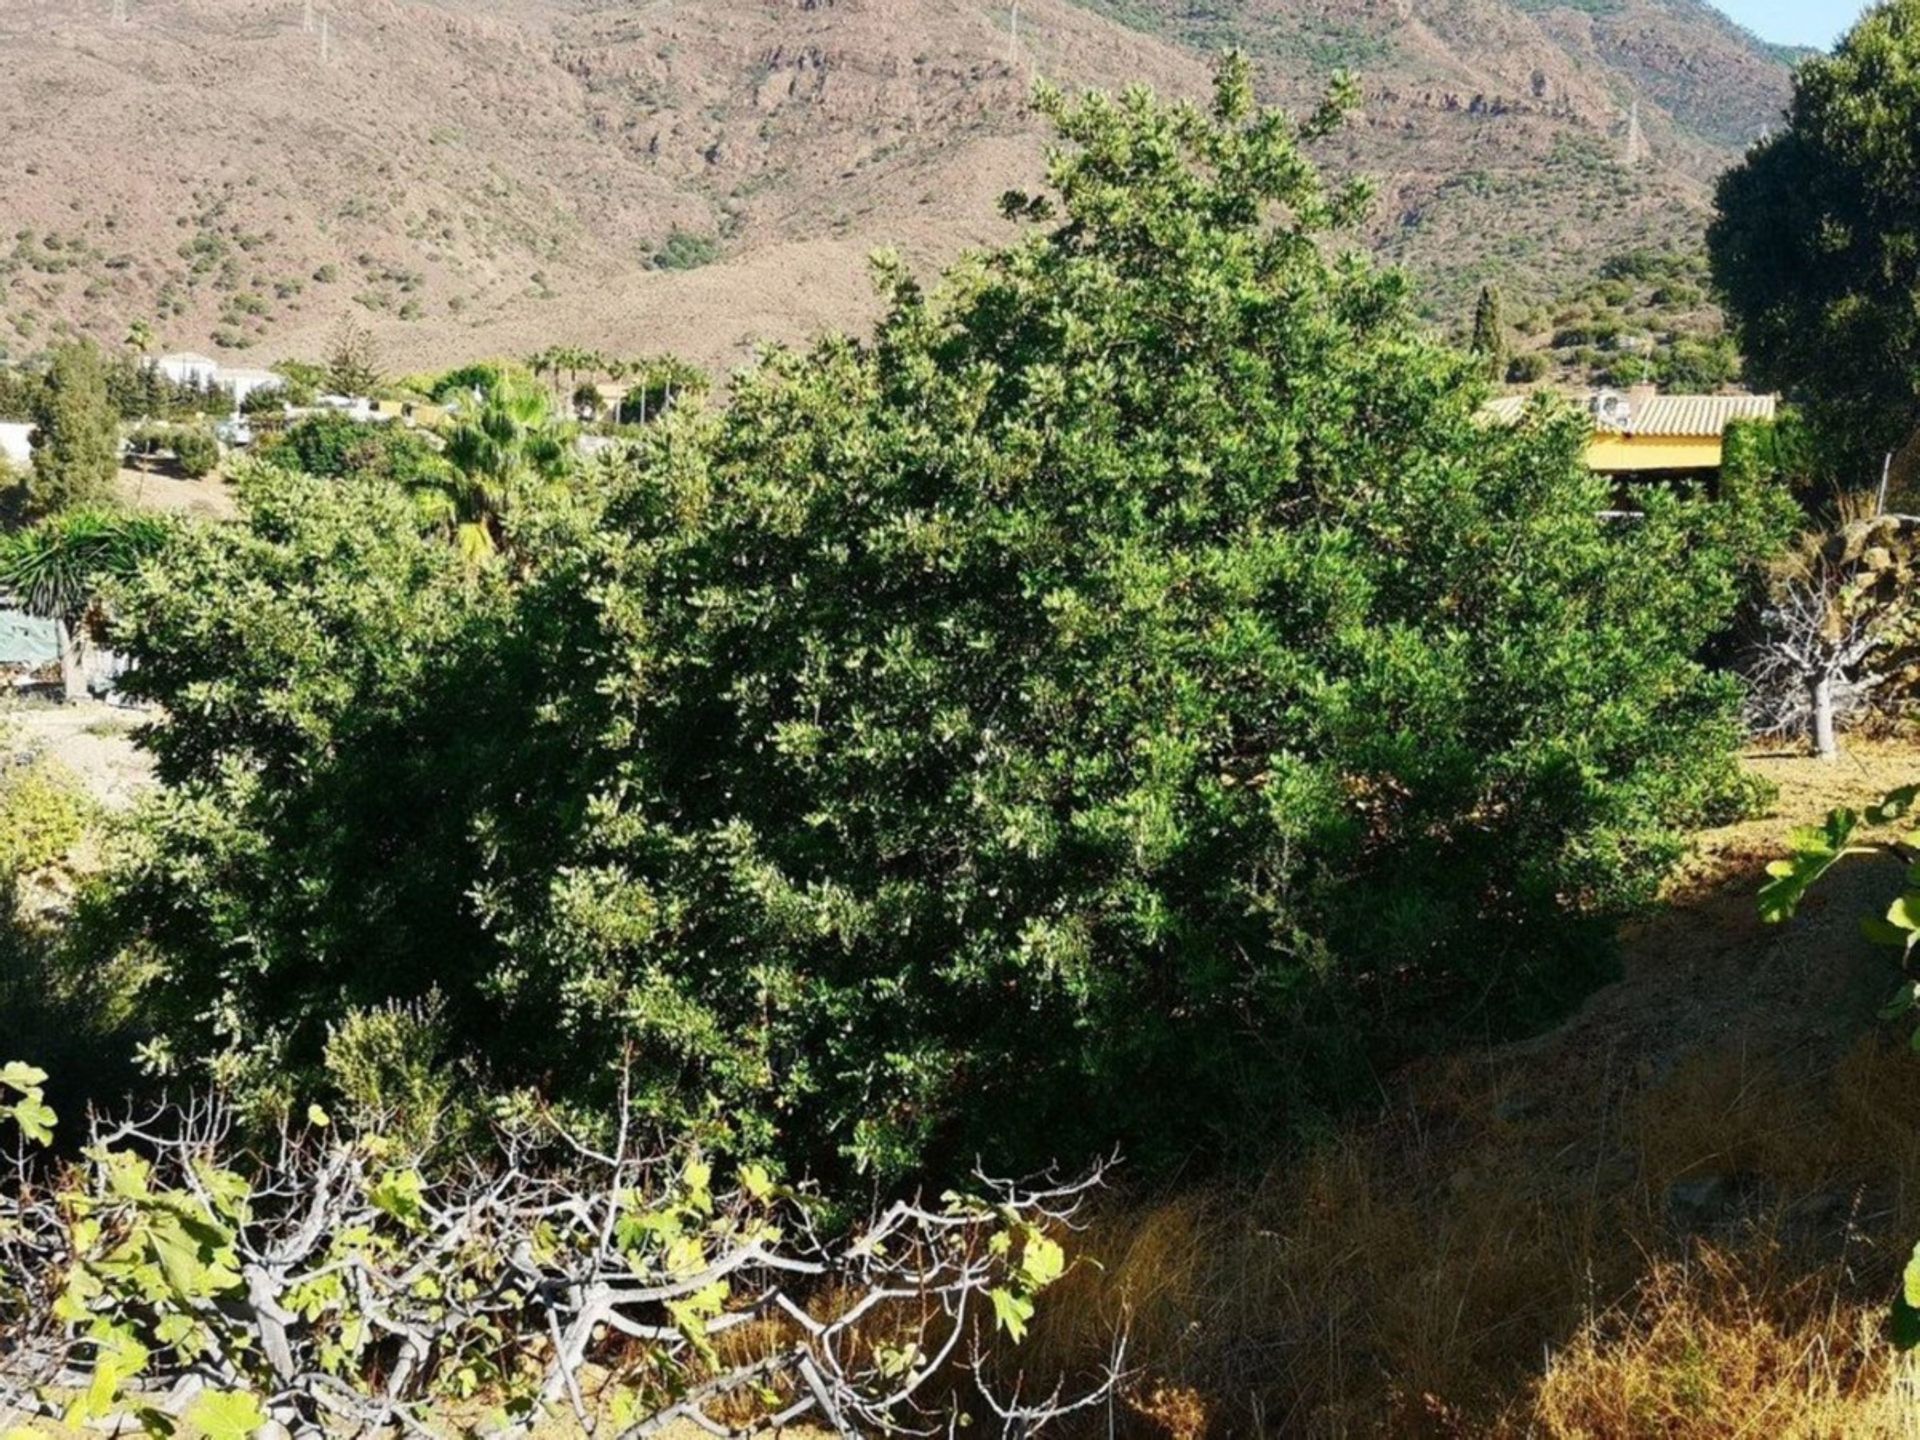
1681, 1214
1725, 1346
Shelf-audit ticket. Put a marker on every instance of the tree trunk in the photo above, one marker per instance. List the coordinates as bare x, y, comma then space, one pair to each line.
1820, 719
73, 682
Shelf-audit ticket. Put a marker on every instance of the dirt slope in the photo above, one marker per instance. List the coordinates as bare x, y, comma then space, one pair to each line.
501, 174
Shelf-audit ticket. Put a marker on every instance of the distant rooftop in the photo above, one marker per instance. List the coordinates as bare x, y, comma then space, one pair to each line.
1654, 416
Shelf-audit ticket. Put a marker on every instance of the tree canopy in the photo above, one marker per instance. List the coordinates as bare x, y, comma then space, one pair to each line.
1489, 340
1816, 240
76, 434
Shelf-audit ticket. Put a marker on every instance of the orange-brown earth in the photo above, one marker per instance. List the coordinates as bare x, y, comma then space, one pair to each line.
502, 175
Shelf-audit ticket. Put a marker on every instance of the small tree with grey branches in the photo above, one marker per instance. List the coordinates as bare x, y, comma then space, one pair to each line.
1836, 628
331, 1282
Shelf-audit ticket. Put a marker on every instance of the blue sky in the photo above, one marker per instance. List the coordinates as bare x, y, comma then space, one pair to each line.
1795, 22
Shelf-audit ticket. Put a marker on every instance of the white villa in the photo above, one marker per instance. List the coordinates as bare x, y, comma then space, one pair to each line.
187, 368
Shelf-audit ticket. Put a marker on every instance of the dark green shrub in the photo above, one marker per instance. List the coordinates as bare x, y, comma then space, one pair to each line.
333, 445
270, 400
1528, 367
1697, 364
196, 451
1136, 697
686, 251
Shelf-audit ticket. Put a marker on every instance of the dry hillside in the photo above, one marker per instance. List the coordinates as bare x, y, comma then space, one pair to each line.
695, 174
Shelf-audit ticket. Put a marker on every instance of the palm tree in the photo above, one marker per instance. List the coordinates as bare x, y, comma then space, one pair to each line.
575, 360
545, 364
56, 570
509, 446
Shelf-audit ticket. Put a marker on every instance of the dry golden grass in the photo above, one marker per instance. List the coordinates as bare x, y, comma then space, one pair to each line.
1723, 1346
1681, 1214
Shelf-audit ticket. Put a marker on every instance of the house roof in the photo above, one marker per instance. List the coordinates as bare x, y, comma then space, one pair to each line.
1662, 416
185, 357
26, 641
1696, 415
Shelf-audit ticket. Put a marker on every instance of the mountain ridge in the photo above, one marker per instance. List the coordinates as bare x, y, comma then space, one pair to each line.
489, 179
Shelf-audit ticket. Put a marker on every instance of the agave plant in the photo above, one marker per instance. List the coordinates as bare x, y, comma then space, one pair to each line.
56, 569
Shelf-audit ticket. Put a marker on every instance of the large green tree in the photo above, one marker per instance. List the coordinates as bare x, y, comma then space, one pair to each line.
1816, 243
331, 446
1129, 697
76, 434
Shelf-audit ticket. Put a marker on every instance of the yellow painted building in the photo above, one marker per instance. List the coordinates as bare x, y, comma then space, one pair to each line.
1644, 434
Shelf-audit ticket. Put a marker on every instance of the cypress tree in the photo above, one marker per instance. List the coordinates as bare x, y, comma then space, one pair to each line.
76, 435
1490, 332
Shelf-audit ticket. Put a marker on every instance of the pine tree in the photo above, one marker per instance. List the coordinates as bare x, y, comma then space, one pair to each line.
1490, 332
353, 366
76, 436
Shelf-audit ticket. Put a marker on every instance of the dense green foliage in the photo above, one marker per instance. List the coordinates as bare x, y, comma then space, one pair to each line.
508, 448
332, 445
76, 435
134, 389
59, 567
1125, 699
1816, 244
684, 250
1786, 454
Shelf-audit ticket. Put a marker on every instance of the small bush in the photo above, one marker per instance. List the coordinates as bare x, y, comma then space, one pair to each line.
42, 817
197, 452
686, 251
271, 401
1528, 368
385, 1063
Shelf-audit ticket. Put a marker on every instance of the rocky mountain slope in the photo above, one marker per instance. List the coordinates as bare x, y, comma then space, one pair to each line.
493, 175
